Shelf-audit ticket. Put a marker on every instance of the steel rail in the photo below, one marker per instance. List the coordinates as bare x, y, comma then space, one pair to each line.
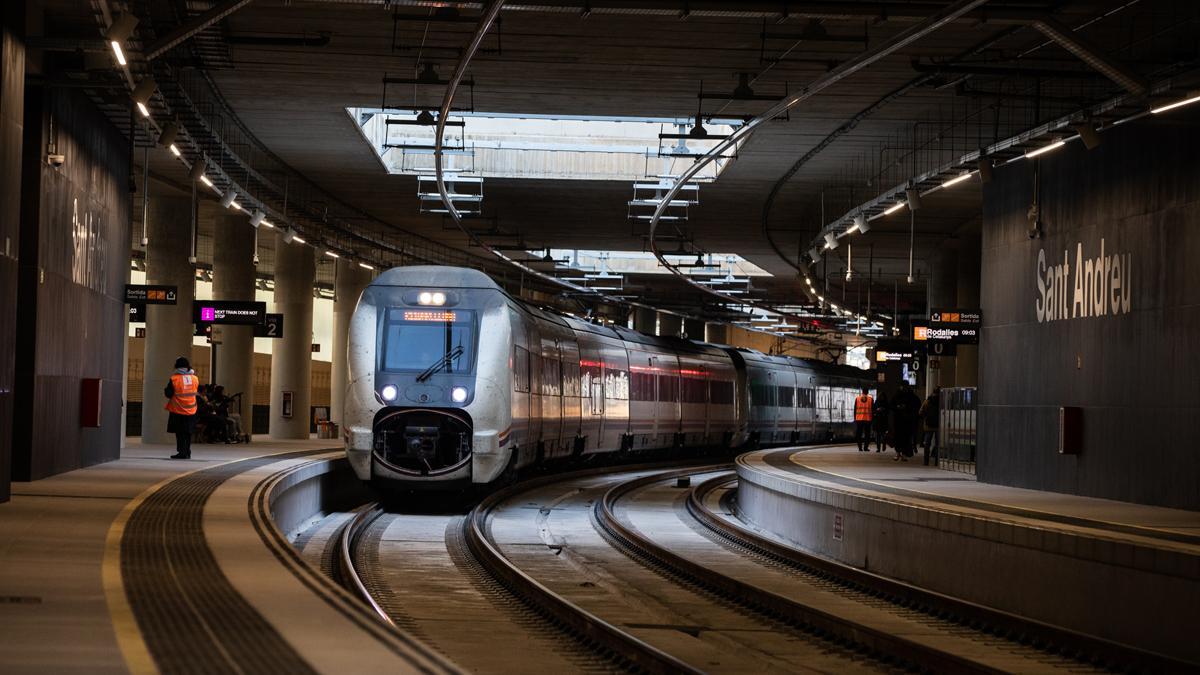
1054, 639
880, 644
347, 572
842, 71
588, 627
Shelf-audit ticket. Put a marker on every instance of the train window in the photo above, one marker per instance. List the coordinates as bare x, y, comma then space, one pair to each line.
551, 377
668, 388
414, 341
616, 383
762, 394
520, 370
694, 390
720, 392
570, 374
787, 397
642, 385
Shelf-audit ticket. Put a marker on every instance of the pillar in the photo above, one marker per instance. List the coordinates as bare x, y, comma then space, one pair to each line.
233, 279
966, 372
670, 325
291, 356
717, 333
645, 320
942, 293
348, 286
12, 125
168, 327
693, 329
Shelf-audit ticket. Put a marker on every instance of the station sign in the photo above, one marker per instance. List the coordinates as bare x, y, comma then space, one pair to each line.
271, 327
150, 295
957, 326
228, 312
137, 313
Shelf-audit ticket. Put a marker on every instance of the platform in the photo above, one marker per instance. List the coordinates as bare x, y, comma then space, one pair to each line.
1098, 565
148, 564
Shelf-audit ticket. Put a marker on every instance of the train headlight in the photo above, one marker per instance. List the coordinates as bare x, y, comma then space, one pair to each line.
458, 394
388, 393
431, 298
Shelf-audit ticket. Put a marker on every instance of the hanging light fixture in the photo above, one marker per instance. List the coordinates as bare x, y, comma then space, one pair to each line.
288, 235
256, 218
914, 198
167, 138
197, 171
831, 241
142, 93
118, 32
985, 169
861, 224
228, 197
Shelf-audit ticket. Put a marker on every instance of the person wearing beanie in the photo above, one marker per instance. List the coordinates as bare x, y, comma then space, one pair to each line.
181, 393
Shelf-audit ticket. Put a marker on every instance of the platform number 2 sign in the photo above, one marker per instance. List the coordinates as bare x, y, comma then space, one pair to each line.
839, 527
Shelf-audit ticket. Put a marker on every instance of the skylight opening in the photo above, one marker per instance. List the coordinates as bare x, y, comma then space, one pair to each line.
562, 147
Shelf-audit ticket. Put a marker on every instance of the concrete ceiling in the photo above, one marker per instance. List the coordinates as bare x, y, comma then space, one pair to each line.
648, 60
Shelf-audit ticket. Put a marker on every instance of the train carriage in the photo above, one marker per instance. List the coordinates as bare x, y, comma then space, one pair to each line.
454, 382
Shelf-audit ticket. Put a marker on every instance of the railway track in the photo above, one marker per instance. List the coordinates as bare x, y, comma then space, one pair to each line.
576, 561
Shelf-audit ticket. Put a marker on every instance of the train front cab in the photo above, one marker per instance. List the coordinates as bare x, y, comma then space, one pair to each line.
427, 406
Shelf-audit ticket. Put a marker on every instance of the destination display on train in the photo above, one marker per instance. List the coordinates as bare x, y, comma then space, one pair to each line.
430, 315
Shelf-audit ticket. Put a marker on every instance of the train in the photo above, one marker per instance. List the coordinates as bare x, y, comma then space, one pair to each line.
454, 383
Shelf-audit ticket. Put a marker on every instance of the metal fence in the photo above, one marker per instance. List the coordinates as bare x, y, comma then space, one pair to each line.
956, 432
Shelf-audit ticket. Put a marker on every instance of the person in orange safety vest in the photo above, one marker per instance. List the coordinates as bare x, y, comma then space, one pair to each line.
181, 392
863, 405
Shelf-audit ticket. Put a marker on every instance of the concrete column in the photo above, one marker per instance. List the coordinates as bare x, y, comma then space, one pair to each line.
645, 320
966, 372
942, 293
350, 282
717, 333
291, 357
233, 279
168, 327
693, 329
670, 325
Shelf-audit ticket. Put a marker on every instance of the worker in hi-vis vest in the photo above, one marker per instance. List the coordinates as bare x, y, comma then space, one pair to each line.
181, 392
863, 405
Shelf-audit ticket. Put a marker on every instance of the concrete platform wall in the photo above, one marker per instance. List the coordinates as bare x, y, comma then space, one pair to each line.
1101, 587
1119, 343
75, 235
12, 104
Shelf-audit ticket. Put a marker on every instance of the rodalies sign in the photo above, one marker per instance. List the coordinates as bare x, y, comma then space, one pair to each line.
1090, 287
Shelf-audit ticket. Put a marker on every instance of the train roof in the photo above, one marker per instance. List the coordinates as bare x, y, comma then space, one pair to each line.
439, 276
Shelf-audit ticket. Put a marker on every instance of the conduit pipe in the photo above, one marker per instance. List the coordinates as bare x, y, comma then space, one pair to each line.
1091, 55
842, 71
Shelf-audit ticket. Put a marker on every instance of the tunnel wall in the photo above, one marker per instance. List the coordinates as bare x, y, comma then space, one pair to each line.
1122, 348
75, 235
12, 103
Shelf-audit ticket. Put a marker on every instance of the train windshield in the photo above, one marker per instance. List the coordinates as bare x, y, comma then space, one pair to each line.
420, 340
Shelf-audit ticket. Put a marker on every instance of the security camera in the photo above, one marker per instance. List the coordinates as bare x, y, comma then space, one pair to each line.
255, 259
1035, 230
56, 160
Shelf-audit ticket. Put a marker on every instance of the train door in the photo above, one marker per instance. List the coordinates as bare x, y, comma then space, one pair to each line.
643, 395
572, 395
535, 389
693, 397
591, 382
615, 362
551, 396
669, 416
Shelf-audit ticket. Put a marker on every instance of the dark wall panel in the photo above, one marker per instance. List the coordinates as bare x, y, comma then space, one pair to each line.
12, 88
76, 329
1131, 363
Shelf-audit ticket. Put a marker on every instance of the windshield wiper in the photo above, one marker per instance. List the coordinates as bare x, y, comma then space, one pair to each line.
441, 363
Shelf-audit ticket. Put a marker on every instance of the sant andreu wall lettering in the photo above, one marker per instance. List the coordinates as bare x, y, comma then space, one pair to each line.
1093, 287
1101, 312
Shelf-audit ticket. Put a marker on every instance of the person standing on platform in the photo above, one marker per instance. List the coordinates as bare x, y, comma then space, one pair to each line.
864, 405
930, 415
181, 393
879, 420
905, 407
